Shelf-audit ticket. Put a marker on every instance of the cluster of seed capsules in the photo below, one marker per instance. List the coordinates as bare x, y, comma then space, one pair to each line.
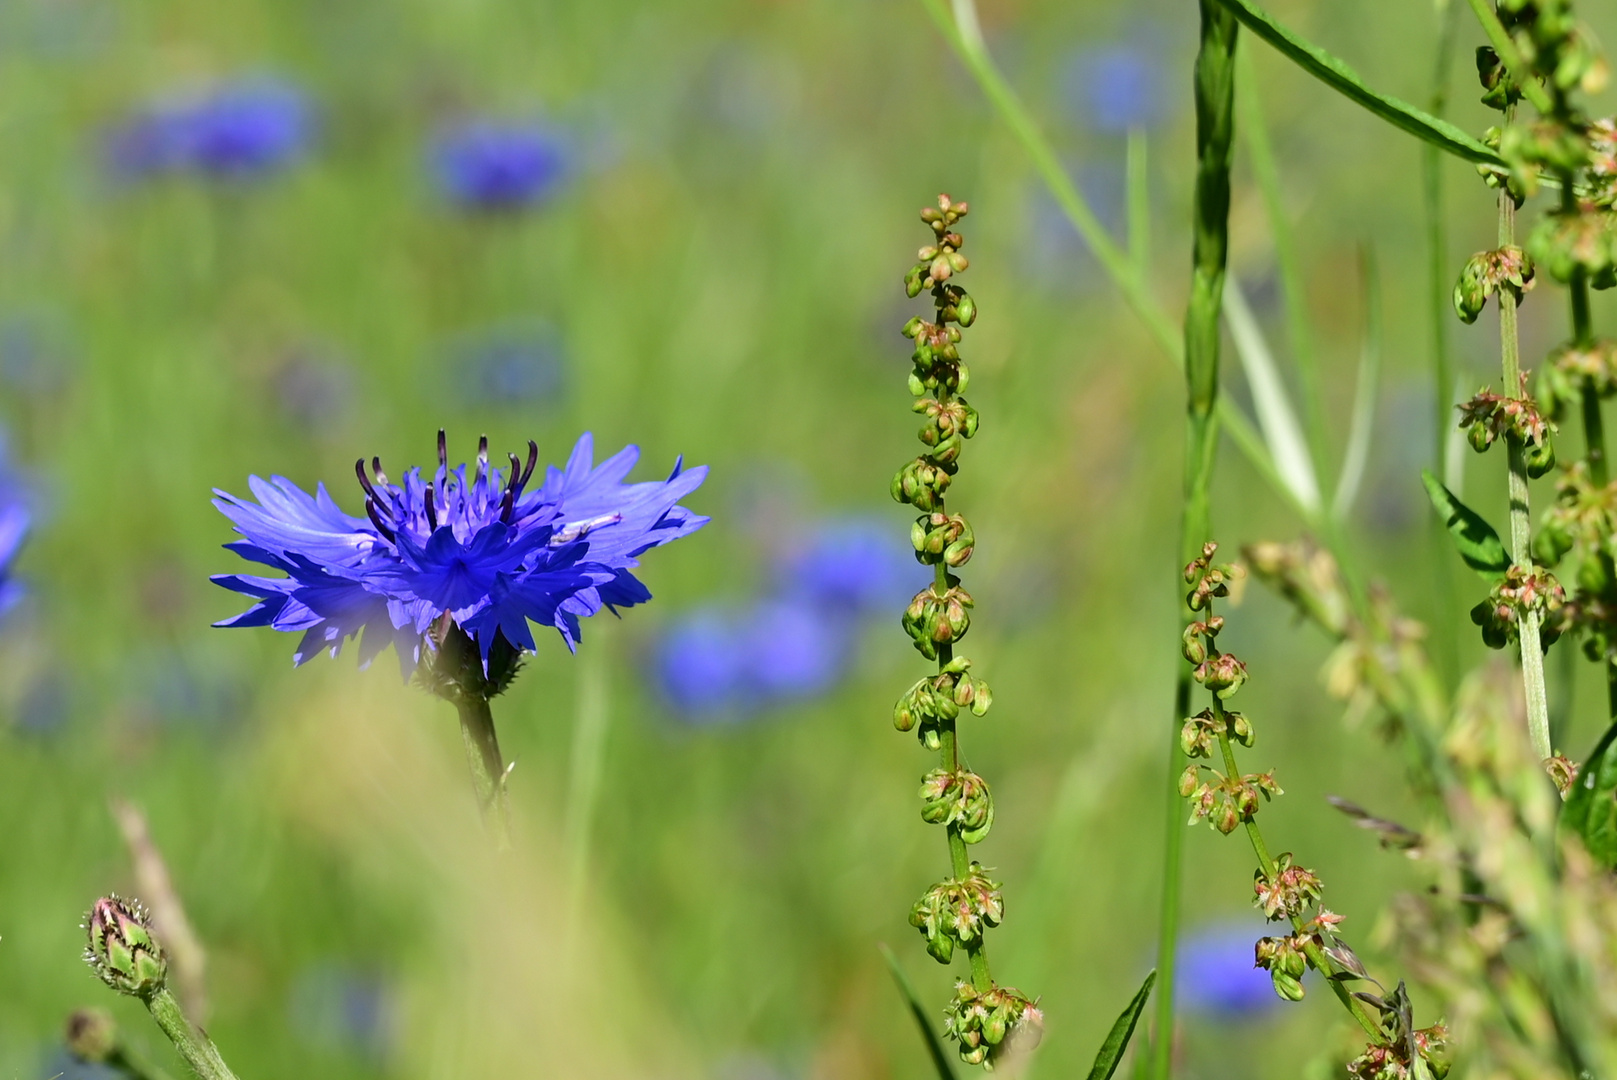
984, 1018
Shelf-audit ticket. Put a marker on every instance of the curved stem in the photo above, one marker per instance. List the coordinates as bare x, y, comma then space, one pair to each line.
194, 1046
487, 767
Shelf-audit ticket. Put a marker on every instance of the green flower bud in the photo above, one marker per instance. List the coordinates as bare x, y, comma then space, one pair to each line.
122, 949
982, 698
1241, 728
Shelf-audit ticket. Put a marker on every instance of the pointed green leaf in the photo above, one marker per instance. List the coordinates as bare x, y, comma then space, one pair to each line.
1478, 543
1117, 1040
934, 1042
1344, 80
1591, 806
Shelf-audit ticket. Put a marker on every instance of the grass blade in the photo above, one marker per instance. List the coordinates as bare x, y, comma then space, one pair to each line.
1276, 417
934, 1042
1117, 1040
1345, 81
1364, 396
1293, 287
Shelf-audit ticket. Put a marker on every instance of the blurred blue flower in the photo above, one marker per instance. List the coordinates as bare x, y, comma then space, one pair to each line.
488, 165
484, 551
15, 520
1116, 88
61, 1065
238, 130
516, 363
1217, 978
165, 687
720, 664
332, 1005
860, 564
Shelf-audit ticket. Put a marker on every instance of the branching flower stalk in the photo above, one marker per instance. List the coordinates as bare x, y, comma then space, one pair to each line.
1284, 890
1541, 53
985, 1018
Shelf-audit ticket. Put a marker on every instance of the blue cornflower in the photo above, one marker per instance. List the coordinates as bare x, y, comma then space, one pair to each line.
856, 564
1115, 88
250, 127
486, 165
1217, 977
481, 555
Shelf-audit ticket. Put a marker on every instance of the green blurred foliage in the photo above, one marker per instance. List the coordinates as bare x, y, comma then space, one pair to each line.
725, 277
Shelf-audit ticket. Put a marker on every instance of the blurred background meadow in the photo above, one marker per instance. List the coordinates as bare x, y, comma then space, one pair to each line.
269, 238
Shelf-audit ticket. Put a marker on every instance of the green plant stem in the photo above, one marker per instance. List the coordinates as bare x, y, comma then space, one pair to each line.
194, 1046
949, 755
1266, 864
487, 767
1532, 651
1215, 137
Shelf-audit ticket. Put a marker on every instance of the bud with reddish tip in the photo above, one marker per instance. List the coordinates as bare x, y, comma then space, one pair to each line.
122, 949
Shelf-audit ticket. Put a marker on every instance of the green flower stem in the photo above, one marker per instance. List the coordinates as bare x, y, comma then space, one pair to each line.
1532, 650
195, 1047
487, 767
1266, 863
949, 755
1215, 136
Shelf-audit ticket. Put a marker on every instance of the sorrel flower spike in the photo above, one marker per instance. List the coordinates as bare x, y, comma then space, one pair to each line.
484, 553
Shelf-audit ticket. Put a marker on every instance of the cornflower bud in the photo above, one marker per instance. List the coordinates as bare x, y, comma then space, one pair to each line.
122, 950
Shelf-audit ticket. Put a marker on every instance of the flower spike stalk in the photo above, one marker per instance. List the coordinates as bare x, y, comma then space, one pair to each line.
125, 954
986, 1019
1284, 890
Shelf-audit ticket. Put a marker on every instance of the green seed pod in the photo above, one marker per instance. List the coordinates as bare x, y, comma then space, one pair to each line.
1286, 986
1539, 457
966, 311
1189, 779
974, 833
912, 282
1480, 437
1191, 744
982, 697
1241, 728
995, 1026
122, 949
1551, 543
1594, 575
941, 946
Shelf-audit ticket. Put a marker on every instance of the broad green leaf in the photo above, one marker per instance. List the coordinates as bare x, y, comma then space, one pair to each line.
934, 1042
1344, 80
1478, 543
1591, 806
1117, 1040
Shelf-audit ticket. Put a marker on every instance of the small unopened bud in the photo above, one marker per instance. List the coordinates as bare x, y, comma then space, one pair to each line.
122, 949
92, 1035
1288, 987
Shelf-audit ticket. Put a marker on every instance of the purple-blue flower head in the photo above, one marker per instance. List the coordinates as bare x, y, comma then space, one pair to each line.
238, 130
1217, 977
485, 165
475, 547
